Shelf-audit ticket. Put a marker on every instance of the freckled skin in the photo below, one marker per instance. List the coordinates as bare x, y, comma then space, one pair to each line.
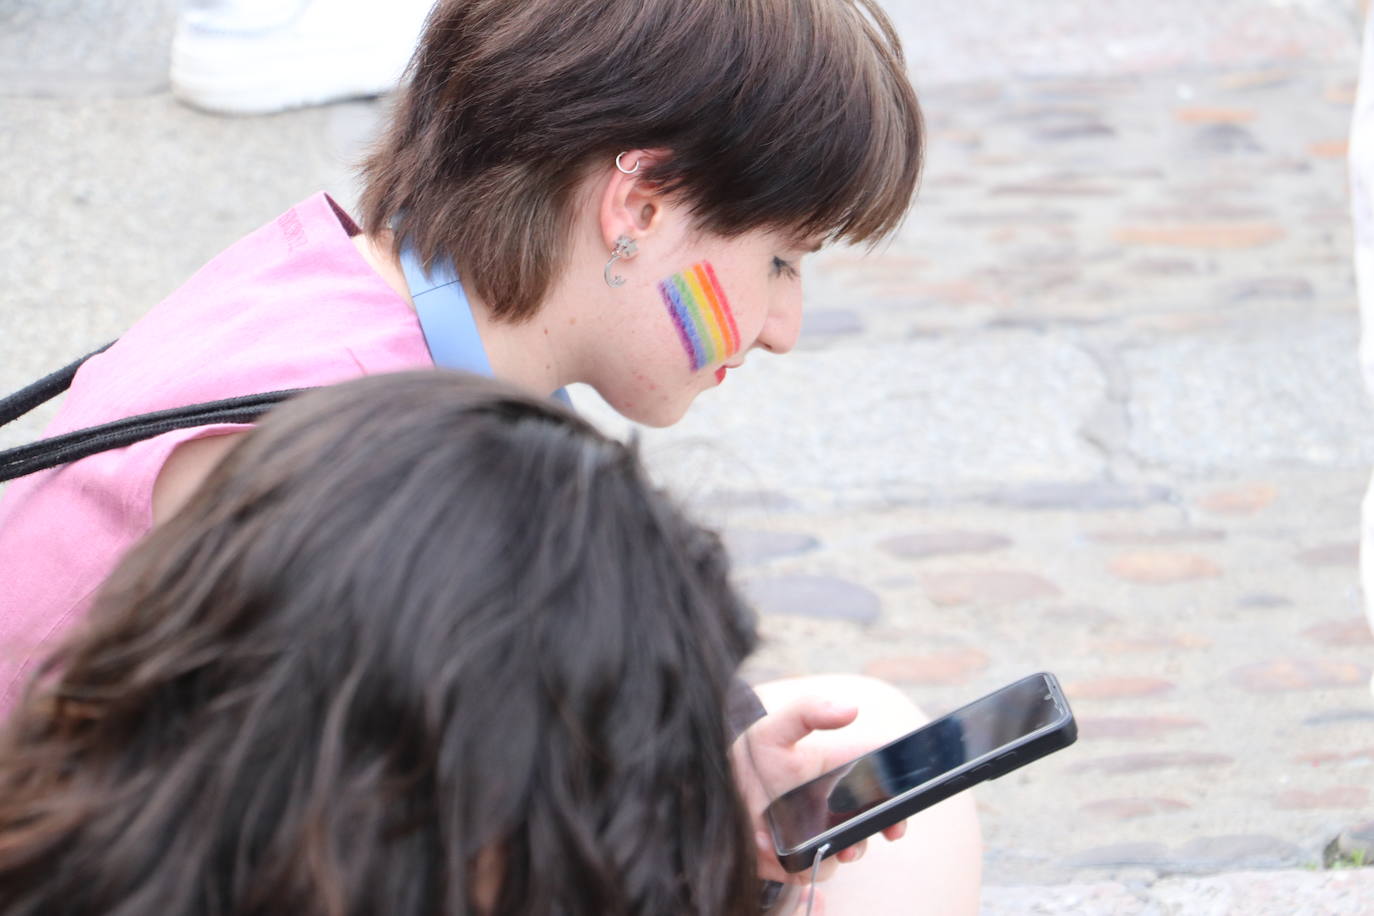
662, 354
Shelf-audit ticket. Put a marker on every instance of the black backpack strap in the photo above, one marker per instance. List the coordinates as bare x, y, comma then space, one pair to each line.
47, 453
43, 390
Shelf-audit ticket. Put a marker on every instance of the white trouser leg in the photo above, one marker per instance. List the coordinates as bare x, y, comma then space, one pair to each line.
1362, 206
260, 56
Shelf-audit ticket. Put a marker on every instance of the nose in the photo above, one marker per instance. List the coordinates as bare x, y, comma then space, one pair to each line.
783, 324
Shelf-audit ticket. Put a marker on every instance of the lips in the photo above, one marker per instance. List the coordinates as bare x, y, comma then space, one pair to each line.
720, 375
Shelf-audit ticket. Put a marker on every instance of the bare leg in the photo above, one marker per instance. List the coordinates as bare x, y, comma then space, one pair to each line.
937, 867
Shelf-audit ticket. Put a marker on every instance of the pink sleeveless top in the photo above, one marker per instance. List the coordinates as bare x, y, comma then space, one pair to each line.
293, 305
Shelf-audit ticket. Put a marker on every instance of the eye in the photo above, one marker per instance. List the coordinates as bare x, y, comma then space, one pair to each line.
783, 268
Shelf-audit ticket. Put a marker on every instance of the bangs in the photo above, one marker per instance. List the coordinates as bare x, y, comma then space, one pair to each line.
822, 137
791, 115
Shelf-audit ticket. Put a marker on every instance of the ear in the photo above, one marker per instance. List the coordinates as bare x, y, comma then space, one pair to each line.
630, 205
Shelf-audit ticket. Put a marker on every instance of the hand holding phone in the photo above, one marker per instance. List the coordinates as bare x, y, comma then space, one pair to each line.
773, 755
983, 740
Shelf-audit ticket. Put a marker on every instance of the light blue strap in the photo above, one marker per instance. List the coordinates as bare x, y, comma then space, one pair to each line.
445, 316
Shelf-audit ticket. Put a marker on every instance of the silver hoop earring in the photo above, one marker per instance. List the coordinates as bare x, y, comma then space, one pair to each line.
625, 171
625, 247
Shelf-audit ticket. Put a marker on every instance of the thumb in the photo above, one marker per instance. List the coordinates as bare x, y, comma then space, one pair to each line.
800, 718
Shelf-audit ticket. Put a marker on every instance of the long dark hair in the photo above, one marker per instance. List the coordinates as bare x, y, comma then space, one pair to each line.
411, 622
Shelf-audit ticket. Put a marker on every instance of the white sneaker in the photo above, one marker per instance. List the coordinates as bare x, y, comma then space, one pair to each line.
261, 56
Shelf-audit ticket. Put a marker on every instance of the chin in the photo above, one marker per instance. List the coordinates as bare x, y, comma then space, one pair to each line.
656, 413
656, 416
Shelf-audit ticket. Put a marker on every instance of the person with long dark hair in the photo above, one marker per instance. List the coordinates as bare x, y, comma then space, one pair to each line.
422, 645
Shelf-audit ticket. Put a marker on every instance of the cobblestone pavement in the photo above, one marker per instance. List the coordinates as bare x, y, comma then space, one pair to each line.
1096, 411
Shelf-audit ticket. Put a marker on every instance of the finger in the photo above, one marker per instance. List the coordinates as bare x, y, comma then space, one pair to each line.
895, 832
769, 866
852, 853
800, 718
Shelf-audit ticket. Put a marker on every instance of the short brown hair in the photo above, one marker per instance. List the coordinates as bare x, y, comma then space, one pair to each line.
787, 114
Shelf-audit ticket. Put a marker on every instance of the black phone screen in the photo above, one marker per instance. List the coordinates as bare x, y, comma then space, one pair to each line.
964, 735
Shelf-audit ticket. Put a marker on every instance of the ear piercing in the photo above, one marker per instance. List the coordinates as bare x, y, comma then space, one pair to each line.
622, 168
625, 247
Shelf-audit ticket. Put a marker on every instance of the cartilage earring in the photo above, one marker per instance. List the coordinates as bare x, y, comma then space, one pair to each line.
623, 170
625, 247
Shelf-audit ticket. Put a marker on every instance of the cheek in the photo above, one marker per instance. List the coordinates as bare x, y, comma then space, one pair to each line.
700, 311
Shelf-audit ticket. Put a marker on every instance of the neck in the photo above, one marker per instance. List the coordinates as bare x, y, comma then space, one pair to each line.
525, 354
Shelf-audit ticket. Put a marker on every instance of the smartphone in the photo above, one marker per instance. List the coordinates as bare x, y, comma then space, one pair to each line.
989, 737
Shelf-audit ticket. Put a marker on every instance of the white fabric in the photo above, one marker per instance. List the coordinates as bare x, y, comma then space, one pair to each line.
259, 56
1362, 211
240, 15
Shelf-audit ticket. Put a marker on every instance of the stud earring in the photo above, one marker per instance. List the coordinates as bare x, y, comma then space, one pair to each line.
625, 247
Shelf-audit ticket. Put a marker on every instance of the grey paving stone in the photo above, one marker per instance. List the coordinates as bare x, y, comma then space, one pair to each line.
1121, 854
1079, 130
1357, 842
824, 597
1134, 807
749, 546
1340, 717
920, 545
728, 500
1091, 494
1216, 853
1225, 139
1158, 538
917, 422
1287, 394
1146, 761
1293, 289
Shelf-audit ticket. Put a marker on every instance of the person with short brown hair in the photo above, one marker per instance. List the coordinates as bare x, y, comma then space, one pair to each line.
613, 193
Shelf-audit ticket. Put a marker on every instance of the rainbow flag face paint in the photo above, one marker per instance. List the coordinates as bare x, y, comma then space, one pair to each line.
698, 307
